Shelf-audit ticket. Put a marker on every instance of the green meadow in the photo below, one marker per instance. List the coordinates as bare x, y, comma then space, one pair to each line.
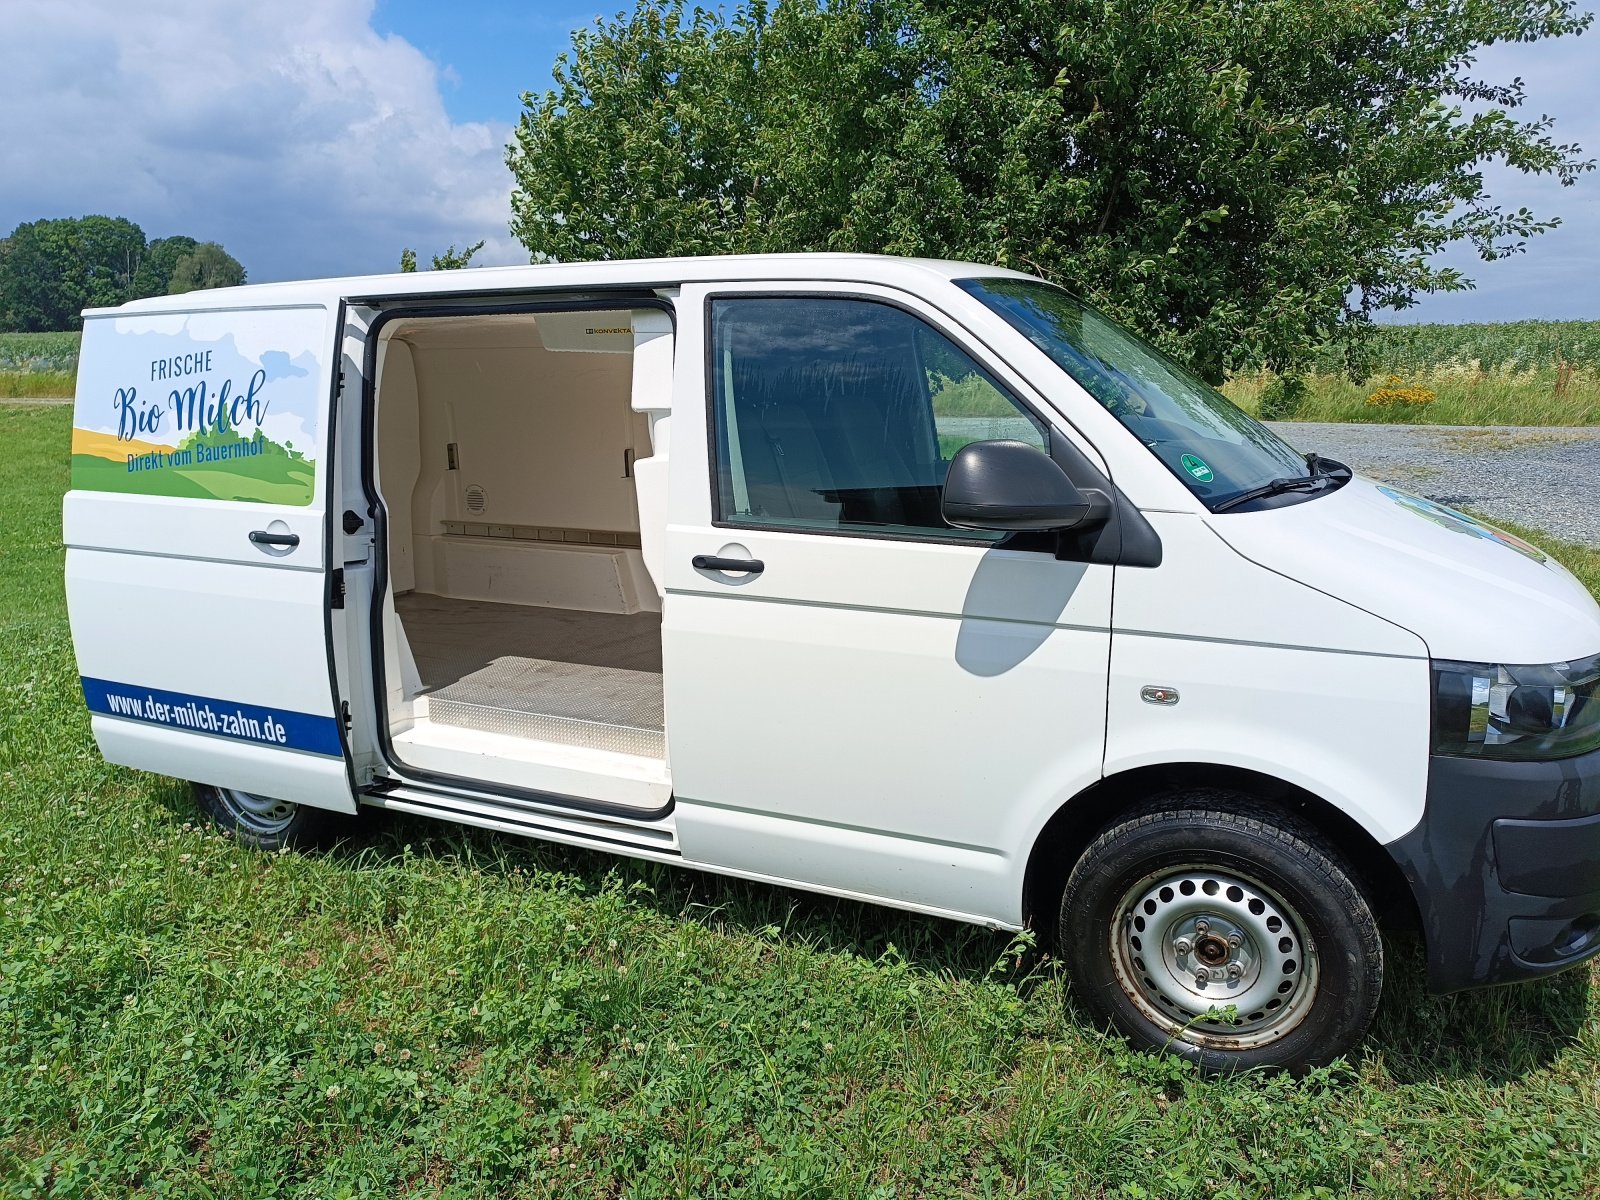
426, 1011
270, 478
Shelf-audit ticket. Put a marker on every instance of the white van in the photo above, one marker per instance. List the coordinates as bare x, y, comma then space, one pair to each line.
913, 582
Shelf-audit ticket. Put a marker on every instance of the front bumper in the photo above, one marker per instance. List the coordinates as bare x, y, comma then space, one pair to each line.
1505, 868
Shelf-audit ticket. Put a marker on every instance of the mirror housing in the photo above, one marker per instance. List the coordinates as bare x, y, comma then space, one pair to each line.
1012, 486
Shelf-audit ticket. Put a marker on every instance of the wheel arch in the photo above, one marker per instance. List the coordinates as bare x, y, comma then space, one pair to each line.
1076, 823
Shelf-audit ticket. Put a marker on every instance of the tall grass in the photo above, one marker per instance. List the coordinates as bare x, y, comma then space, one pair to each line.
1465, 394
430, 1011
1510, 373
38, 365
36, 385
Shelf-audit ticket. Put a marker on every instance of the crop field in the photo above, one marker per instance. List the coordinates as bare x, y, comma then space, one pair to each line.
1516, 345
39, 351
38, 365
1514, 373
429, 1011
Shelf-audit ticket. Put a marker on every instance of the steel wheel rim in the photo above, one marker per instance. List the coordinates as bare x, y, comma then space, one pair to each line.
261, 815
1189, 939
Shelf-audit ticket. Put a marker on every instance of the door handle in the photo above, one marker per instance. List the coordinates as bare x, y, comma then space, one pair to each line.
715, 562
263, 537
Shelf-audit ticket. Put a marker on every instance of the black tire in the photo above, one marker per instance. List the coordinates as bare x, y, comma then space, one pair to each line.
1208, 898
267, 824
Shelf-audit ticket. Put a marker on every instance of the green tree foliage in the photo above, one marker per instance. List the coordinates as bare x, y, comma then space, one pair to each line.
1241, 181
208, 265
451, 260
154, 275
51, 270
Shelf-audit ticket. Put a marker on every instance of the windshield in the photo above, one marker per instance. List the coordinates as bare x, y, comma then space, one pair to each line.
1217, 451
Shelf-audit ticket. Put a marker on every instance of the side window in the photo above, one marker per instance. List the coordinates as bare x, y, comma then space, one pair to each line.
843, 414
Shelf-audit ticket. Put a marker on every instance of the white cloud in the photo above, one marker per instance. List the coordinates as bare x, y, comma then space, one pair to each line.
1558, 276
291, 132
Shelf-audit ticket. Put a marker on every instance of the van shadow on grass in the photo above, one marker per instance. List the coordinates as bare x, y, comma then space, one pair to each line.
825, 923
1495, 1035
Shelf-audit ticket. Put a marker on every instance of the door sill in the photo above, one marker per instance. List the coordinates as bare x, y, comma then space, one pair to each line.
580, 777
549, 821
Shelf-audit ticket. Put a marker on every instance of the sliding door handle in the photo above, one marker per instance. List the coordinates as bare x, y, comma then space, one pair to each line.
715, 562
264, 537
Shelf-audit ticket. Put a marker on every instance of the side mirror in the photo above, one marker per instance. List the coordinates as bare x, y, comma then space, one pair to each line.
1014, 486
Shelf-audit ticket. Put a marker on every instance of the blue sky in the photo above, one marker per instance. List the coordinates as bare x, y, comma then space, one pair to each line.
488, 51
319, 137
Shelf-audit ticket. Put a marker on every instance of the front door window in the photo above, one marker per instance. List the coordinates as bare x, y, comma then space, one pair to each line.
840, 416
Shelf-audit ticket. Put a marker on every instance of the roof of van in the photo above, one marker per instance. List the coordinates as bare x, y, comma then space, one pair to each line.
610, 273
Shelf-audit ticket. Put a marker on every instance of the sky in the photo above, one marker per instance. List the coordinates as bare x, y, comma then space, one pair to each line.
320, 137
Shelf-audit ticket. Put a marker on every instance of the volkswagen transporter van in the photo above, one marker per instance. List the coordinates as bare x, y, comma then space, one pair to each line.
913, 582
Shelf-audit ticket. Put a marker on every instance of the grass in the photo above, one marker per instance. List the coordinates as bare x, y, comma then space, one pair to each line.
429, 1011
1509, 373
38, 365
37, 385
1464, 395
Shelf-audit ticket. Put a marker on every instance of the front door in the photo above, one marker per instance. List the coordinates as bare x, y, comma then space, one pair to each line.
860, 697
197, 582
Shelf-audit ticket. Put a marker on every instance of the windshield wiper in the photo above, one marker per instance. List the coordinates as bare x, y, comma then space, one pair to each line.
1318, 465
1324, 473
1273, 487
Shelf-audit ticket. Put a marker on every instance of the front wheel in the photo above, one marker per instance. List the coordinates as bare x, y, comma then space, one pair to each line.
1223, 931
267, 823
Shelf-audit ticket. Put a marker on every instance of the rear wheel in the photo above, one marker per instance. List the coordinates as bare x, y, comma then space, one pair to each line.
267, 823
1223, 931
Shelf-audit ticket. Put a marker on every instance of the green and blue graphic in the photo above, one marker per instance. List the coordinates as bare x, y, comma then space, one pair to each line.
1460, 522
176, 406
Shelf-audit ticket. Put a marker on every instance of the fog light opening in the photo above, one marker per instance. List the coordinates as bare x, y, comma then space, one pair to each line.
1578, 936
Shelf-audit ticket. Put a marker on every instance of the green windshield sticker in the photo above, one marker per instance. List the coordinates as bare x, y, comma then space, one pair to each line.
1197, 467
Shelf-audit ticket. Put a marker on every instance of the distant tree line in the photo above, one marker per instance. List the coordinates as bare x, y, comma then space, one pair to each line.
51, 270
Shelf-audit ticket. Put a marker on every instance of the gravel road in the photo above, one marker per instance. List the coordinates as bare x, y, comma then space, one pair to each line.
1547, 479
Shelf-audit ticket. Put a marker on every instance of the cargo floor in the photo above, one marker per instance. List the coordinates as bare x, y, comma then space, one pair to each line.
551, 674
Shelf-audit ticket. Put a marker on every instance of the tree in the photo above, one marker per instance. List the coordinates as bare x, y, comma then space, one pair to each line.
53, 269
451, 260
1240, 181
154, 275
34, 266
208, 265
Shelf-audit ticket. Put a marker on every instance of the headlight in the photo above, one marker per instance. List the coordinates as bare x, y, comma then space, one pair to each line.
1491, 711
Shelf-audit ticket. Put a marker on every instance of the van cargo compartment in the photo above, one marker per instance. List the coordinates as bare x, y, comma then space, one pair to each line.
554, 675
